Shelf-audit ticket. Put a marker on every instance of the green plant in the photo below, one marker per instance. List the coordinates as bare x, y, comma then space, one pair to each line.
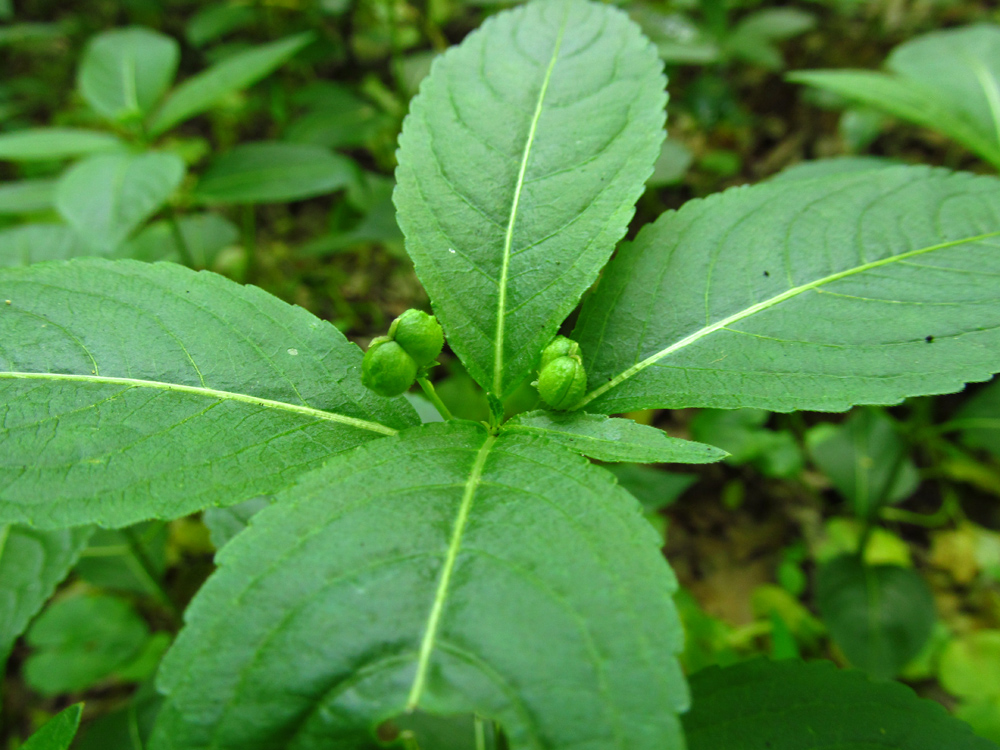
489, 568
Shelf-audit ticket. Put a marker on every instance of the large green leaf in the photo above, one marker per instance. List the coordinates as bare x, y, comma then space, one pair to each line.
106, 198
273, 173
58, 733
32, 563
946, 80
794, 705
33, 243
446, 570
44, 144
124, 72
609, 439
519, 165
879, 615
204, 90
132, 390
804, 294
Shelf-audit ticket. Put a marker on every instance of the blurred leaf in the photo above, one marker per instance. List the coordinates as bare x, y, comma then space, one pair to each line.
808, 170
120, 729
880, 616
842, 536
970, 666
866, 460
129, 559
979, 419
21, 33
447, 732
753, 38
203, 91
268, 172
677, 38
27, 196
34, 243
58, 732
47, 144
741, 432
983, 715
654, 488
106, 198
794, 705
80, 641
674, 161
214, 21
124, 72
205, 235
336, 118
770, 600
225, 523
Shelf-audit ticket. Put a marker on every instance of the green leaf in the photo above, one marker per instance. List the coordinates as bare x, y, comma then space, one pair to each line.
58, 732
44, 144
205, 236
106, 198
979, 419
445, 570
133, 391
202, 91
608, 439
866, 459
861, 288
880, 616
673, 163
32, 563
120, 729
792, 705
654, 488
225, 523
80, 641
130, 559
809, 170
741, 432
274, 173
215, 21
125, 72
34, 243
948, 81
519, 165
970, 665
27, 196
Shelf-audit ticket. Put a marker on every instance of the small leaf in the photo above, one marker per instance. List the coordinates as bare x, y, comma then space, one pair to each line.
132, 391
106, 198
215, 21
124, 72
805, 294
274, 173
519, 165
970, 665
205, 235
444, 570
880, 616
608, 439
866, 459
201, 92
32, 563
58, 732
810, 170
225, 523
129, 559
45, 144
34, 243
741, 432
27, 196
654, 488
979, 419
791, 705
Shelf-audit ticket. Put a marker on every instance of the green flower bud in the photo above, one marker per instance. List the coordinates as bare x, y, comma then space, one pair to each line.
419, 334
387, 369
562, 382
560, 346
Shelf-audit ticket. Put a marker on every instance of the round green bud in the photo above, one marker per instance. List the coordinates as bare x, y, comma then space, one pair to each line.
387, 369
419, 334
560, 346
562, 382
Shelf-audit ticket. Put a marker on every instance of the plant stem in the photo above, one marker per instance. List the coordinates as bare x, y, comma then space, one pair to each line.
187, 258
432, 396
480, 733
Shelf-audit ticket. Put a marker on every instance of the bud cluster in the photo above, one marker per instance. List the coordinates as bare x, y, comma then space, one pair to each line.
562, 379
393, 362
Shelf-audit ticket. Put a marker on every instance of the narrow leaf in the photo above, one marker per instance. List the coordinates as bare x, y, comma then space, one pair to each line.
58, 733
27, 196
34, 243
130, 391
805, 294
274, 173
609, 439
445, 570
124, 72
519, 165
880, 616
32, 563
204, 90
791, 705
106, 198
44, 144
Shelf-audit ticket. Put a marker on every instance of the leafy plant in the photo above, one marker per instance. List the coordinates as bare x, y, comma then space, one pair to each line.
489, 568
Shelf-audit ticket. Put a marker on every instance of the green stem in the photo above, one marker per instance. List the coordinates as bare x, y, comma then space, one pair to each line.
147, 571
480, 733
183, 249
432, 396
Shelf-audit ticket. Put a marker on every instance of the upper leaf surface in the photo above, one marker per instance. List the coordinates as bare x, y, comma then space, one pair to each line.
243, 69
802, 294
445, 570
45, 144
58, 732
790, 705
609, 439
32, 563
519, 165
124, 72
130, 390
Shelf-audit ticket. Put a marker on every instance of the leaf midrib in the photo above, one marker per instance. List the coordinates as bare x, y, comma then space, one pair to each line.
765, 305
213, 393
498, 342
